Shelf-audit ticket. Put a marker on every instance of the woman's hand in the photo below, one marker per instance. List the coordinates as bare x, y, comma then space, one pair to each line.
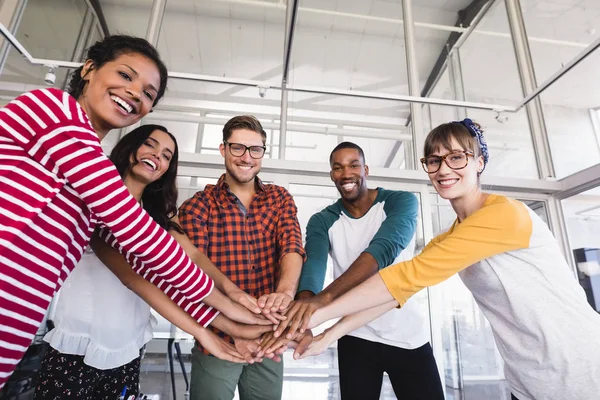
312, 347
218, 347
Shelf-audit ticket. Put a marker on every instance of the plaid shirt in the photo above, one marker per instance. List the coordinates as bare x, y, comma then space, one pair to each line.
246, 247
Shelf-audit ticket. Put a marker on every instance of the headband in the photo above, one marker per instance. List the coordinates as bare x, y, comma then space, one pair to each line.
477, 134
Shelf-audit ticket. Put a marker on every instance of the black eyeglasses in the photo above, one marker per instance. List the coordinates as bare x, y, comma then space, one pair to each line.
238, 150
454, 160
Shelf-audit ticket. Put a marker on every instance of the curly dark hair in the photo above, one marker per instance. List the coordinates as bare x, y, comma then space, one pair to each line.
111, 47
160, 197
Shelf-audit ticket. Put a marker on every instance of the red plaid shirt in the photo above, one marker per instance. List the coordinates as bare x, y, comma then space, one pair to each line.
247, 248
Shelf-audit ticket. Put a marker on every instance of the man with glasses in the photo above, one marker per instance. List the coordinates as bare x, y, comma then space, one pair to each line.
364, 231
250, 231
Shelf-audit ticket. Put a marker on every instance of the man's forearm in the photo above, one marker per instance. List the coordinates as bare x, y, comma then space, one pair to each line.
359, 271
291, 267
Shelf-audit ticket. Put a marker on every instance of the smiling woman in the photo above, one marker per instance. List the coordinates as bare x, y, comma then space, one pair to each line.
57, 186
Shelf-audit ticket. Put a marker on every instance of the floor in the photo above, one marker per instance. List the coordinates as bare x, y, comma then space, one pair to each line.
313, 378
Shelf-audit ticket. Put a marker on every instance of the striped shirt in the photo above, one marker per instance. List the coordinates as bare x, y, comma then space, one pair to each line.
56, 184
201, 312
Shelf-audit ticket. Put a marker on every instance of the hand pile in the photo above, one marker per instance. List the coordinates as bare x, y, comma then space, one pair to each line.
278, 323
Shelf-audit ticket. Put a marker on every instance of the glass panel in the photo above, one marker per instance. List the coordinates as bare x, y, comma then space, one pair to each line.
196, 111
571, 119
557, 32
582, 216
508, 138
224, 38
483, 55
342, 44
127, 17
48, 30
322, 121
488, 62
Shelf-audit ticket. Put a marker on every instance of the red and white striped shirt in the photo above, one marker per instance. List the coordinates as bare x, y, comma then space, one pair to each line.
56, 184
201, 312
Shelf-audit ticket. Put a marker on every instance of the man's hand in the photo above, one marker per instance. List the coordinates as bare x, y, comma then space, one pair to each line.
218, 347
244, 331
243, 315
298, 316
248, 349
274, 302
276, 345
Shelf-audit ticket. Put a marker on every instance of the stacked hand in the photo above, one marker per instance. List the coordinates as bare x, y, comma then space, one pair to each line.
273, 324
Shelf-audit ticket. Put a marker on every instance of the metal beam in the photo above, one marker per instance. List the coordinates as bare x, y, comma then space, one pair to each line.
469, 17
191, 164
290, 25
298, 88
558, 74
155, 22
535, 117
95, 4
87, 25
381, 134
12, 12
412, 68
290, 28
579, 182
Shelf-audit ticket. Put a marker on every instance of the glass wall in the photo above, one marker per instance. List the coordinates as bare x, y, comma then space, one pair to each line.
582, 217
48, 30
556, 33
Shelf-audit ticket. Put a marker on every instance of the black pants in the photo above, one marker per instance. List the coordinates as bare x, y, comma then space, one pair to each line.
65, 376
413, 373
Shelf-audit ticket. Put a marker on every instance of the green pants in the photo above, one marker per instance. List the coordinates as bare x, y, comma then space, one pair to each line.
215, 379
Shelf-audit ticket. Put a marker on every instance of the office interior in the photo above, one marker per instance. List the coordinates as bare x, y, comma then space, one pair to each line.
382, 74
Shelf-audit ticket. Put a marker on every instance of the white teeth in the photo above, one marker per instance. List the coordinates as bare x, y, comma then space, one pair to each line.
122, 103
448, 182
247, 167
150, 163
349, 186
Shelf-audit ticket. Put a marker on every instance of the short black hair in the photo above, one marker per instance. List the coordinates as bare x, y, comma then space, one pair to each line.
348, 145
111, 47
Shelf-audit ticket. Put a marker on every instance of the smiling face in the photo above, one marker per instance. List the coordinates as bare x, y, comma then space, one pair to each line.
453, 184
120, 92
153, 157
349, 174
245, 168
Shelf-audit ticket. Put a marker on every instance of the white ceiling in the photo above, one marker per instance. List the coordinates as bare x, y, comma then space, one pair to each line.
343, 44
